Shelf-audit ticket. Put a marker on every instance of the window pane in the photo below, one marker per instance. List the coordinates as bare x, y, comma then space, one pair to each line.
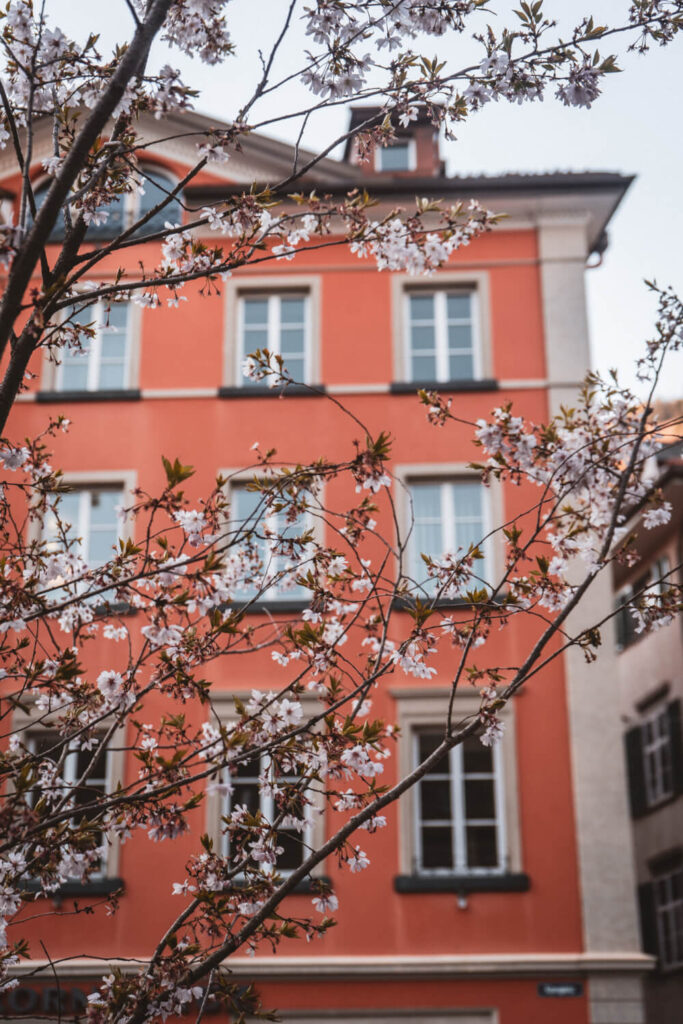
112, 377
480, 801
421, 307
427, 538
423, 368
458, 306
476, 757
435, 799
292, 311
156, 188
422, 338
291, 342
292, 850
68, 514
467, 500
74, 375
437, 847
113, 346
295, 365
461, 367
395, 158
459, 338
255, 311
116, 317
481, 846
427, 501
98, 759
114, 223
103, 508
427, 744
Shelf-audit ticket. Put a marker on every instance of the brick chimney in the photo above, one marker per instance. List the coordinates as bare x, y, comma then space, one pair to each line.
415, 150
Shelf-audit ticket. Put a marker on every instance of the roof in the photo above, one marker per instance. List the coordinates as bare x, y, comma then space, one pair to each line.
595, 194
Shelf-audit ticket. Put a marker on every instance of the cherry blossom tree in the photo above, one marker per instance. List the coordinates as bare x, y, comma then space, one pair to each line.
172, 600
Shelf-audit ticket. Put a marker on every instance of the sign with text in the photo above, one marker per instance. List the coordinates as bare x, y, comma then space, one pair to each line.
560, 989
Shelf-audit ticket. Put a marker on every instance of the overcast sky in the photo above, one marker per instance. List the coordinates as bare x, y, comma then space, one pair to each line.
635, 128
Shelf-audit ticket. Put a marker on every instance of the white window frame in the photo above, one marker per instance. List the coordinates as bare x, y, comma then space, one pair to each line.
27, 721
483, 568
94, 356
440, 321
474, 282
223, 712
267, 809
69, 776
458, 822
274, 325
280, 286
84, 528
425, 708
667, 911
411, 149
276, 593
655, 753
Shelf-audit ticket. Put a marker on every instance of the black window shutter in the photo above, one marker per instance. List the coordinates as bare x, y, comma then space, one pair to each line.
676, 733
636, 774
648, 918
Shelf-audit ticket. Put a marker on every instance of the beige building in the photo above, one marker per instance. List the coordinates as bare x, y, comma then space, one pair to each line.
650, 670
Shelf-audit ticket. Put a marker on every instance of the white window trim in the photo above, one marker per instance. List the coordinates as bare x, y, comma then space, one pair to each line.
28, 720
458, 821
267, 809
412, 156
453, 472
87, 480
426, 708
272, 286
667, 909
52, 372
273, 326
441, 333
477, 284
237, 478
223, 707
656, 794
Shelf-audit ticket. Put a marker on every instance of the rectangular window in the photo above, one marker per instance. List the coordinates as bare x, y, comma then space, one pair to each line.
399, 156
657, 757
654, 581
73, 766
448, 516
252, 787
90, 515
668, 904
281, 324
275, 560
102, 363
458, 808
441, 336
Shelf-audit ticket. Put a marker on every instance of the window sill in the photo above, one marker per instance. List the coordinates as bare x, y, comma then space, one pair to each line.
270, 607
658, 806
305, 887
263, 391
462, 883
123, 395
405, 604
98, 887
411, 387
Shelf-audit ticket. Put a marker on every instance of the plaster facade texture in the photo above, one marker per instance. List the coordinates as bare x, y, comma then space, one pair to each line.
434, 957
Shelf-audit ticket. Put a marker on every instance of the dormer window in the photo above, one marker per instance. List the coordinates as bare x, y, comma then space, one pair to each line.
399, 156
126, 208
